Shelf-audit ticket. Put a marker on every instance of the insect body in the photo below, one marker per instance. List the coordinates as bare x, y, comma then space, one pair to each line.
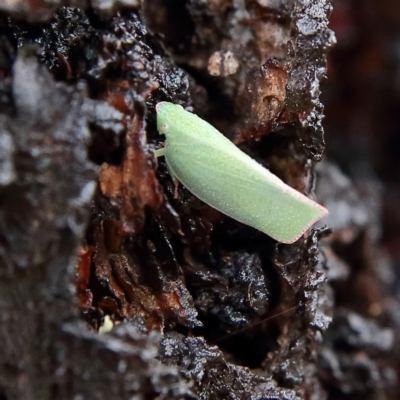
224, 177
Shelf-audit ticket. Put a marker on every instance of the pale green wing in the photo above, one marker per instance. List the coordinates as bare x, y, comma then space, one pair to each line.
230, 181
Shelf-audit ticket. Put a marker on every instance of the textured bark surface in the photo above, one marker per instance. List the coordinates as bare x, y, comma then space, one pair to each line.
94, 234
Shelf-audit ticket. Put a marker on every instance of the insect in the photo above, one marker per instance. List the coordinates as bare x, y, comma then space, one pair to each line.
224, 177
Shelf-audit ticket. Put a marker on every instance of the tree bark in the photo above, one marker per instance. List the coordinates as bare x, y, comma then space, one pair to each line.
94, 235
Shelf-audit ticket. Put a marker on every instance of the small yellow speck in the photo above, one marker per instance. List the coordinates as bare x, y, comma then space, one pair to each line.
107, 325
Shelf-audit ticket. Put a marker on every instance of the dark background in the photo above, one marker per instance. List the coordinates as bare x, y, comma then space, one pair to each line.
362, 102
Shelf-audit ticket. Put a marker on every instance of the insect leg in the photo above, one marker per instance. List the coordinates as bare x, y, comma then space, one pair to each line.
160, 152
175, 181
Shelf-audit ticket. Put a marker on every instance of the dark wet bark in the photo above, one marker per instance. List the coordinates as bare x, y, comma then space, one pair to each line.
92, 233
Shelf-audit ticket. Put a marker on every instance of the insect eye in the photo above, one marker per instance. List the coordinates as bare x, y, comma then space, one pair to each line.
163, 128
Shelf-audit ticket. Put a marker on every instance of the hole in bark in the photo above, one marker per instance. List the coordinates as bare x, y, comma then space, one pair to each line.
172, 19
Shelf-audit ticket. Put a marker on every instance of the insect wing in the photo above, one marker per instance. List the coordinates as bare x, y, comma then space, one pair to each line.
241, 188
